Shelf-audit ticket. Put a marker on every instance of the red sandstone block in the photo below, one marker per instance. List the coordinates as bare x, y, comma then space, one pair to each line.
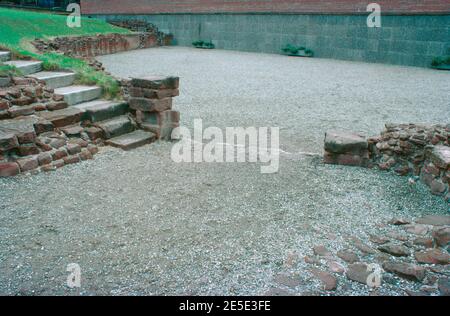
59, 154
85, 154
71, 159
28, 164
9, 169
156, 82
150, 105
158, 118
153, 94
45, 158
27, 150
4, 104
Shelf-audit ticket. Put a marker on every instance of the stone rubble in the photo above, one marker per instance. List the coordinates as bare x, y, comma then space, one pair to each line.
419, 151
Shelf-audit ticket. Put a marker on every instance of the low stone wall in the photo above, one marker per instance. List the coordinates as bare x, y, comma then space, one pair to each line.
151, 99
421, 151
146, 27
91, 46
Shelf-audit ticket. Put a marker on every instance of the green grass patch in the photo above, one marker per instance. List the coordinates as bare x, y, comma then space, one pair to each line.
19, 27
6, 71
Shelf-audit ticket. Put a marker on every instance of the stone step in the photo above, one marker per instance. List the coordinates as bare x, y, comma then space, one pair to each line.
100, 110
78, 94
64, 117
132, 140
55, 80
26, 67
5, 56
117, 126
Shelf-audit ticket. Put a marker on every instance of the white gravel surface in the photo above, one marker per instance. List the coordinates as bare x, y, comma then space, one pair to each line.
138, 223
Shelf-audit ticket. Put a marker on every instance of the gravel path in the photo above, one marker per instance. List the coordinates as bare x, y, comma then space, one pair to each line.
138, 223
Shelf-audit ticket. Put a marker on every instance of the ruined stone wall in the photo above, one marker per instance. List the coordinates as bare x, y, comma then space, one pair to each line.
91, 46
420, 151
30, 143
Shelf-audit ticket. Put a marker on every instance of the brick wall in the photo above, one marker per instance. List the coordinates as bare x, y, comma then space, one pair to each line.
260, 6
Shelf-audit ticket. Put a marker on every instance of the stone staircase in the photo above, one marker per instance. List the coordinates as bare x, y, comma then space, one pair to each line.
110, 117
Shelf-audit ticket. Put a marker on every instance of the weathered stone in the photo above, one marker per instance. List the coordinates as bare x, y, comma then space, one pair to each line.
358, 272
398, 236
362, 246
48, 168
441, 236
132, 140
57, 142
9, 169
8, 141
93, 149
328, 280
78, 141
286, 280
27, 150
380, 240
348, 256
440, 156
336, 267
423, 242
16, 111
58, 163
72, 131
150, 105
405, 270
94, 132
444, 286
344, 142
156, 82
27, 164
73, 149
395, 250
44, 159
54, 106
71, 159
85, 154
312, 260
64, 117
417, 229
59, 154
320, 250
437, 187
435, 220
43, 126
432, 256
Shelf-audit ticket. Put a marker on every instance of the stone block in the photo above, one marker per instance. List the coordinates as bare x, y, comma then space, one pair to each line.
156, 82
344, 142
150, 105
9, 169
28, 164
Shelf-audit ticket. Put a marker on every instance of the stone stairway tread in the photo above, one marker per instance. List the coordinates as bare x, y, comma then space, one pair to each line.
26, 67
100, 110
55, 79
5, 56
76, 94
132, 140
64, 117
116, 126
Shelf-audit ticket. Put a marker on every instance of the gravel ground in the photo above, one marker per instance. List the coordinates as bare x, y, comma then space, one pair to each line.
138, 223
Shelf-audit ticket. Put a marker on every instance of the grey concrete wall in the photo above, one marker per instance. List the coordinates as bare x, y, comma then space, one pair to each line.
406, 40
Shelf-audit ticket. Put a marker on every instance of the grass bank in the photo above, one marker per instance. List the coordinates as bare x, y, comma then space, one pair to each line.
19, 27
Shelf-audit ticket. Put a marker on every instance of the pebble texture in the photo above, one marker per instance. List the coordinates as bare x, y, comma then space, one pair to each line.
138, 223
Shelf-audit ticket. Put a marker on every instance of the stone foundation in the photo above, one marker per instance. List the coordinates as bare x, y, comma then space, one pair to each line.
420, 151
